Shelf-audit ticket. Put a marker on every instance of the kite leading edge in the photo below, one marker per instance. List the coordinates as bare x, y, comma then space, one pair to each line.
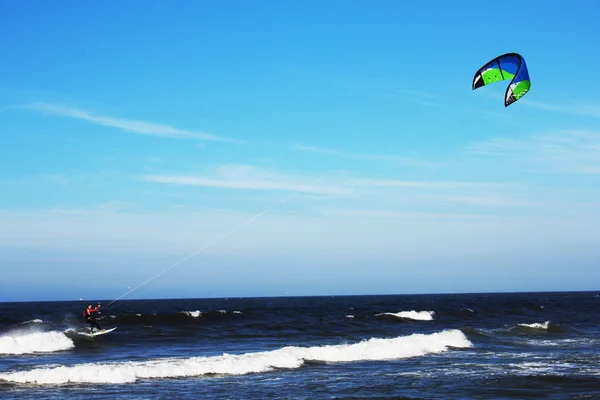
507, 66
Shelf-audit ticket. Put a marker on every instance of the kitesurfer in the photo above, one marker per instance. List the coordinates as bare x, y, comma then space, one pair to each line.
87, 314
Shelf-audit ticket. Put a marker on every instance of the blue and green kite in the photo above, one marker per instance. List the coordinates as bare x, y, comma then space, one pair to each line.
507, 66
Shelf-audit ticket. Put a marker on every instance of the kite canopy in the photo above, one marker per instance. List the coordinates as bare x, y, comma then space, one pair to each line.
507, 66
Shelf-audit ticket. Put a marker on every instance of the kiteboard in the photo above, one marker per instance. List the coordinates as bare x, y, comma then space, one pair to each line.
98, 333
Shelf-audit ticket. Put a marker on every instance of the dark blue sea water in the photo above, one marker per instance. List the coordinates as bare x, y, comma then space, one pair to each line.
453, 346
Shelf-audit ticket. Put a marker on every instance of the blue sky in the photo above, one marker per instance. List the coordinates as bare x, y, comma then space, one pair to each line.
133, 134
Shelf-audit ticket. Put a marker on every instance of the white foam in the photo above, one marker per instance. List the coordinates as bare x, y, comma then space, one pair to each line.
34, 342
287, 357
415, 315
33, 321
195, 314
537, 325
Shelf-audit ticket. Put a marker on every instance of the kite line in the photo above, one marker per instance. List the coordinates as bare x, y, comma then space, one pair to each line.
223, 236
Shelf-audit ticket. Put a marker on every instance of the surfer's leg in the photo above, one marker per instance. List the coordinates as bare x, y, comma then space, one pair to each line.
94, 323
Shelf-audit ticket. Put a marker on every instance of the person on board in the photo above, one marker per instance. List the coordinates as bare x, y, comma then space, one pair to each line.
87, 314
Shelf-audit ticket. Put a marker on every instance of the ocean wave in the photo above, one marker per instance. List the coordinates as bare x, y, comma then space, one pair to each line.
537, 325
194, 314
173, 319
291, 357
33, 321
414, 315
34, 342
471, 331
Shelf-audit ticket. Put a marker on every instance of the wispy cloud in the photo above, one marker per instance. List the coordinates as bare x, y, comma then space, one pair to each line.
394, 183
133, 126
435, 195
248, 177
241, 184
381, 193
568, 151
387, 214
495, 200
364, 156
584, 109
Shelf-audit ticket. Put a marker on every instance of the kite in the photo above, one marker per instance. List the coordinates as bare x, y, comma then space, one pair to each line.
507, 66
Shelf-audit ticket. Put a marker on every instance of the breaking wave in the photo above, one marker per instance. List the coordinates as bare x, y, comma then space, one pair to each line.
34, 342
537, 325
414, 315
290, 357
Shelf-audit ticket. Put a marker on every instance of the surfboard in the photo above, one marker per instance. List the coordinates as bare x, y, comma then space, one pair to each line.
98, 333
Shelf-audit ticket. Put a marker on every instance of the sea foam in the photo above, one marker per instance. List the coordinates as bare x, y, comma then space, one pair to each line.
285, 358
415, 315
537, 325
34, 342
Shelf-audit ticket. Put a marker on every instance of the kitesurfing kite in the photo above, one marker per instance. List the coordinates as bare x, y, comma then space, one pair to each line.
507, 66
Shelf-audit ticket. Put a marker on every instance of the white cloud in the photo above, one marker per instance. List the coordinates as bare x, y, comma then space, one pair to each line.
363, 156
568, 151
379, 195
244, 184
134, 126
399, 215
339, 184
394, 183
248, 177
584, 109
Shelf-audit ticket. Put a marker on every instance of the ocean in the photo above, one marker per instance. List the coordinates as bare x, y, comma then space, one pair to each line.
443, 346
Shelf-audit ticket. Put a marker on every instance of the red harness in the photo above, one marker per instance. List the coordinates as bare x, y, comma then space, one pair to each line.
88, 312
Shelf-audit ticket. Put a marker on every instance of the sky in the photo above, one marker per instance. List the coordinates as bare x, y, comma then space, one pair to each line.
159, 149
